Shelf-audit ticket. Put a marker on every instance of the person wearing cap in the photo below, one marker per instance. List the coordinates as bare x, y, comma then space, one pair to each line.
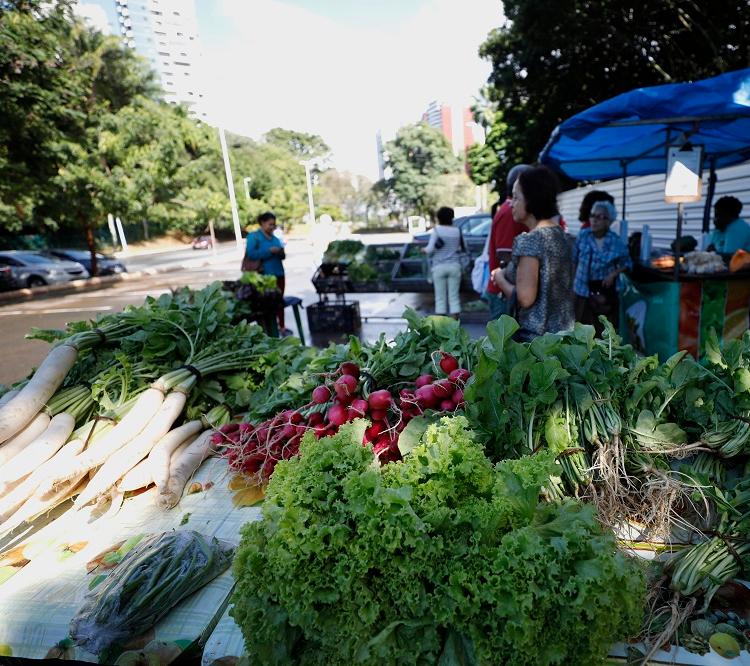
502, 232
732, 233
599, 257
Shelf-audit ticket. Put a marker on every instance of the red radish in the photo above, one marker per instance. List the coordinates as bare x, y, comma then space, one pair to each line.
229, 427
321, 395
345, 387
426, 396
423, 380
443, 389
349, 368
406, 394
378, 414
337, 415
245, 428
320, 430
360, 407
374, 431
315, 419
448, 363
300, 430
459, 376
458, 398
380, 399
447, 405
296, 418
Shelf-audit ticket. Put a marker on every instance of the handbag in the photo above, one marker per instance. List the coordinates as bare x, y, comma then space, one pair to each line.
252, 265
601, 300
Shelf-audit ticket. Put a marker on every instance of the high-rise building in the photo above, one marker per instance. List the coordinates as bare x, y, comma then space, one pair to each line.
381, 160
165, 32
458, 127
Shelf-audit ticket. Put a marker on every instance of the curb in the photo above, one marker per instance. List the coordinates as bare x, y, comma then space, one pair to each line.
89, 284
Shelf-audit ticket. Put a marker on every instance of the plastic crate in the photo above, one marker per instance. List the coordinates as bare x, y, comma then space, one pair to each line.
341, 317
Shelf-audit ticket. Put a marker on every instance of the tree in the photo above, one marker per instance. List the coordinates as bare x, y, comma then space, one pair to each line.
343, 191
450, 189
554, 58
300, 144
416, 157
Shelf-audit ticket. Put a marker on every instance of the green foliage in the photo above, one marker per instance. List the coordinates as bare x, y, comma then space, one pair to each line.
442, 558
301, 145
417, 157
552, 59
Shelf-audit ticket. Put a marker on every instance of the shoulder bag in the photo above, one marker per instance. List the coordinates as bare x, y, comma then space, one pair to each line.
252, 265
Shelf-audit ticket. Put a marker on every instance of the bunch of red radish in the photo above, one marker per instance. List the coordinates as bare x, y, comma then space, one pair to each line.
255, 450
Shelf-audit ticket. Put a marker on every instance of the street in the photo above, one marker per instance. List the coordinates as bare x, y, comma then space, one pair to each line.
380, 312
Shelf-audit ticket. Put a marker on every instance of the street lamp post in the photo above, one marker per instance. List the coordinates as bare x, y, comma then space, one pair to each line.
230, 188
310, 203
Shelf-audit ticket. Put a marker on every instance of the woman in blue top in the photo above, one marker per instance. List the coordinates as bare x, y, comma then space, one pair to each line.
262, 245
600, 256
732, 233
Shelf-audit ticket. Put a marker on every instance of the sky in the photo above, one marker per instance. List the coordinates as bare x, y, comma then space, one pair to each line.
338, 68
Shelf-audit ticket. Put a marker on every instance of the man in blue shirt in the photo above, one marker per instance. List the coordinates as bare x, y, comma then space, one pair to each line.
732, 233
261, 245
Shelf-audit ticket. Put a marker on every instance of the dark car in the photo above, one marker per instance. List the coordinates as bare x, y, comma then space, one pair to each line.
6, 278
474, 229
202, 243
106, 265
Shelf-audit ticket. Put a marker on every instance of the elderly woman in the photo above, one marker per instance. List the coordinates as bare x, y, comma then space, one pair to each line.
600, 256
539, 276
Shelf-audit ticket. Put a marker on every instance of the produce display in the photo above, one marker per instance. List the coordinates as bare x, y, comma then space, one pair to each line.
429, 498
153, 577
441, 558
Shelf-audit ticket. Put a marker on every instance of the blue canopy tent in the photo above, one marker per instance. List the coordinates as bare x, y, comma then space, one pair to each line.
628, 135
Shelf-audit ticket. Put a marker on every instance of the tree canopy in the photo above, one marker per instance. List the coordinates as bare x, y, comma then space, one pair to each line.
554, 58
417, 157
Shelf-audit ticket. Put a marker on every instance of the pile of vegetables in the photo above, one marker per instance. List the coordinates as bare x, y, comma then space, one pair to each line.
95, 423
441, 558
162, 570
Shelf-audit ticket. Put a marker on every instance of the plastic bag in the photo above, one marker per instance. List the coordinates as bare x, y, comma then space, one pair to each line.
157, 574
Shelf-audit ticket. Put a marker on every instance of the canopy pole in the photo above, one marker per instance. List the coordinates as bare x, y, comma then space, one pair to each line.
624, 187
677, 248
709, 197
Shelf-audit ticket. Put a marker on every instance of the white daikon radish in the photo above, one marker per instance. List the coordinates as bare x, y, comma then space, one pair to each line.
138, 477
23, 491
40, 450
40, 503
182, 467
15, 445
7, 397
17, 413
142, 412
161, 454
128, 456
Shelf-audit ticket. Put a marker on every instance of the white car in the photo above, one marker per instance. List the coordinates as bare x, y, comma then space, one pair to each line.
30, 269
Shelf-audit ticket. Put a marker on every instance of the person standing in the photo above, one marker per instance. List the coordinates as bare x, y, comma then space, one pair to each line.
502, 232
600, 256
732, 233
444, 248
540, 275
264, 246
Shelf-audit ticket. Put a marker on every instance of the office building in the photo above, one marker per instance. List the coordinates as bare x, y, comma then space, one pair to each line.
457, 125
165, 32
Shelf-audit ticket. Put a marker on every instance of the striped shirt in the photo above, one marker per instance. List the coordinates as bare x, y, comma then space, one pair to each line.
449, 253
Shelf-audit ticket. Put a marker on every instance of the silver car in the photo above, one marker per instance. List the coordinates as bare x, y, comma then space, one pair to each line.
30, 269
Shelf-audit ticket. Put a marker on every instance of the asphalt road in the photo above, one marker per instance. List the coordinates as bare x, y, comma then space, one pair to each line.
18, 355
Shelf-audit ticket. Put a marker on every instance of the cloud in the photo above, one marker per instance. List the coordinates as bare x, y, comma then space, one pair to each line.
273, 64
94, 15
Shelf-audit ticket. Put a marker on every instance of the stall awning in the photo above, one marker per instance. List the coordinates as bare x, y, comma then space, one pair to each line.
629, 133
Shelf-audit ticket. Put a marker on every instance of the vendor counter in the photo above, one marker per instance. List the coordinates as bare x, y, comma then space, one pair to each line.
662, 314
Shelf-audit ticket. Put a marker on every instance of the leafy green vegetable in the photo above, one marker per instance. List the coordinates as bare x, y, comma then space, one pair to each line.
442, 558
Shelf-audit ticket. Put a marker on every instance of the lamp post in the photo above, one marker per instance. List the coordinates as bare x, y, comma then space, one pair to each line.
230, 188
246, 181
306, 164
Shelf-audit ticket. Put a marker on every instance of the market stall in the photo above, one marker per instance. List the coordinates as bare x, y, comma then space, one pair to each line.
643, 132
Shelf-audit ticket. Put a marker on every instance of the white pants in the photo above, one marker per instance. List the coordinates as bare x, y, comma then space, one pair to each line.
446, 278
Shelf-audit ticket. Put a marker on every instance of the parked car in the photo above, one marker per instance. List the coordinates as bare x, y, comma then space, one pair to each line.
107, 265
31, 269
6, 278
202, 243
474, 229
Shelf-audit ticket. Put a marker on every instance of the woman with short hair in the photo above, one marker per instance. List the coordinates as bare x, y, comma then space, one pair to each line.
444, 248
600, 256
540, 274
